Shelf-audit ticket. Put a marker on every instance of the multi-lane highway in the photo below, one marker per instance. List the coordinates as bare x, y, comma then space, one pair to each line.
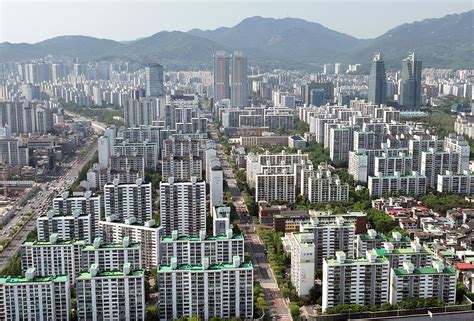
39, 204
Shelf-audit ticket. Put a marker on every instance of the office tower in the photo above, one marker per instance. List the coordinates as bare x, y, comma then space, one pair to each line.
111, 295
363, 281
224, 290
409, 281
86, 203
377, 81
154, 78
147, 234
125, 201
35, 298
183, 207
410, 84
317, 97
221, 76
328, 88
111, 256
238, 91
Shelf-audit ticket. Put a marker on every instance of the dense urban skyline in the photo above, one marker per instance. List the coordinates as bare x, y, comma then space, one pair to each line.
55, 18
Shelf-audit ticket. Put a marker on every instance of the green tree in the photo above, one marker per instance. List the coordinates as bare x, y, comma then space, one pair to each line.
151, 312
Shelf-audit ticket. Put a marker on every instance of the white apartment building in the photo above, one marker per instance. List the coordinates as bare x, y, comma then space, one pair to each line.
330, 237
302, 261
216, 185
224, 290
275, 186
35, 298
148, 150
88, 203
388, 164
414, 184
183, 206
77, 226
363, 281
437, 281
52, 257
125, 201
190, 250
181, 168
341, 141
372, 240
325, 188
111, 256
358, 165
255, 162
450, 182
111, 295
460, 146
147, 234
434, 163
418, 255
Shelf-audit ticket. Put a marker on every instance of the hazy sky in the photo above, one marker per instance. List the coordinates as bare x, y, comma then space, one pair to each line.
32, 21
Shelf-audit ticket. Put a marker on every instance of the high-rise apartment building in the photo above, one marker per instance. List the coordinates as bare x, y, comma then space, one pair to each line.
154, 78
410, 84
35, 297
239, 84
224, 290
111, 295
377, 81
74, 226
86, 203
409, 281
363, 281
147, 234
183, 207
125, 201
221, 76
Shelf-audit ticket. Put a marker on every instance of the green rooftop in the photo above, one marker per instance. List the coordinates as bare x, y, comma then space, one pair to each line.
383, 238
425, 270
38, 279
168, 238
90, 247
361, 260
48, 243
116, 273
423, 250
215, 267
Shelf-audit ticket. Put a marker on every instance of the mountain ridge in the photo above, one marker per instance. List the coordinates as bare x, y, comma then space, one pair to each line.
270, 43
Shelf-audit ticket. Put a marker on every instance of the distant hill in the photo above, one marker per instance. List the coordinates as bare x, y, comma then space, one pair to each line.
448, 42
271, 43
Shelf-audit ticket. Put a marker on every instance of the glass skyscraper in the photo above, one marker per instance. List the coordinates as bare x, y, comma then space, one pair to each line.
377, 81
410, 84
238, 92
221, 76
154, 80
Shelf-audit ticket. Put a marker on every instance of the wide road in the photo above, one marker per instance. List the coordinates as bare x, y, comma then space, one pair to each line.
42, 201
263, 272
